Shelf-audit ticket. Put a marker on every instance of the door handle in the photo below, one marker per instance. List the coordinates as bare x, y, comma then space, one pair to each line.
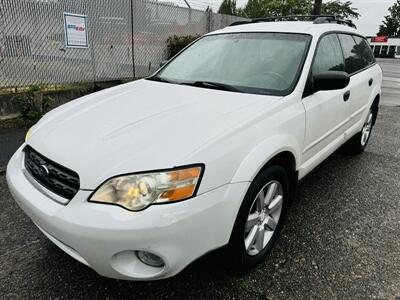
370, 82
346, 96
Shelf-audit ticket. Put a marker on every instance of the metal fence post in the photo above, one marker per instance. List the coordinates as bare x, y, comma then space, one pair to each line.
209, 18
2, 43
92, 54
133, 7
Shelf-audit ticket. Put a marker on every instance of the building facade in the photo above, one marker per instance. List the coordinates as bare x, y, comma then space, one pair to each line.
384, 46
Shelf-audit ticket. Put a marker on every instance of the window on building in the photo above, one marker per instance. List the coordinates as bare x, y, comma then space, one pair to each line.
392, 51
377, 50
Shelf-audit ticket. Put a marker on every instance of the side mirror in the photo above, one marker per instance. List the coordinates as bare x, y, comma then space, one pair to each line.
163, 63
331, 80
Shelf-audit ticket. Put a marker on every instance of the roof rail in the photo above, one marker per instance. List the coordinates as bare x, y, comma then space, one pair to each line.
316, 19
334, 19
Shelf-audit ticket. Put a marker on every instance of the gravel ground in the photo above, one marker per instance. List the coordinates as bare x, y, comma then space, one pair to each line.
10, 140
340, 242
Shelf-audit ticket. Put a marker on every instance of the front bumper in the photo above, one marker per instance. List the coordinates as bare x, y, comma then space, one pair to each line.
105, 237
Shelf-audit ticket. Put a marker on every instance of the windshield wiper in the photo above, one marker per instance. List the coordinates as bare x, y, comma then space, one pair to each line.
160, 79
214, 85
203, 84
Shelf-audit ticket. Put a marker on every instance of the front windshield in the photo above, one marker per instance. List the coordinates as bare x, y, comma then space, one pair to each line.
261, 63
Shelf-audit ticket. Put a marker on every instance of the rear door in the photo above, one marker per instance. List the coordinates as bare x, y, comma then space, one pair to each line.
326, 111
358, 58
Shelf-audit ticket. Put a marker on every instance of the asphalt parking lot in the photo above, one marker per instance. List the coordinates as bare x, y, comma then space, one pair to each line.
391, 81
341, 241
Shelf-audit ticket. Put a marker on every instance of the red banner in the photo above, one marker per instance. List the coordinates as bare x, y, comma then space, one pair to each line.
379, 39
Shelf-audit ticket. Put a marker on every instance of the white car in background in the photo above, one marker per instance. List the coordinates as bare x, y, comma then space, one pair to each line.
139, 180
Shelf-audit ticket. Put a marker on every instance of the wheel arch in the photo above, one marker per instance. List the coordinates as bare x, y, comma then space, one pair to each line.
287, 160
375, 107
270, 153
281, 149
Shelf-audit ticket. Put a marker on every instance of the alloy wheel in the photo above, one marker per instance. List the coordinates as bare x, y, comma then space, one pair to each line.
366, 131
263, 217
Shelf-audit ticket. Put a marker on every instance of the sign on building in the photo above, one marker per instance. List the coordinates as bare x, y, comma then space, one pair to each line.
379, 39
75, 28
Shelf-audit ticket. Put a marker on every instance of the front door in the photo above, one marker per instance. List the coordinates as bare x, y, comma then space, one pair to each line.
327, 112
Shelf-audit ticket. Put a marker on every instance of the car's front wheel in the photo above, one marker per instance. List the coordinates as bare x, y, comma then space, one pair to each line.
260, 217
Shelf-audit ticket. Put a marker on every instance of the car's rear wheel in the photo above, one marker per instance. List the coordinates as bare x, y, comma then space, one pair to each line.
260, 217
359, 142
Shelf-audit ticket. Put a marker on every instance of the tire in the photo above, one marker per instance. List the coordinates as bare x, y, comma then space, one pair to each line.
251, 219
359, 142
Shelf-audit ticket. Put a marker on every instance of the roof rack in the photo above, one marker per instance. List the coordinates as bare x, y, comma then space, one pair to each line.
316, 19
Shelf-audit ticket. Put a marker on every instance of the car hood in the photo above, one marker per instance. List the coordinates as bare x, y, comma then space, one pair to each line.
139, 126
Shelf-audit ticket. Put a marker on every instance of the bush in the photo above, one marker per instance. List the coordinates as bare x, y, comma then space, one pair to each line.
34, 103
177, 43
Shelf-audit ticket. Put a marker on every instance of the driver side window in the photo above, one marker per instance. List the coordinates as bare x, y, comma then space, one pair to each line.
329, 55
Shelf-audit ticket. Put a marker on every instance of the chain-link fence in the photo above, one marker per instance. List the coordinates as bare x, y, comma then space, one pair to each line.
126, 39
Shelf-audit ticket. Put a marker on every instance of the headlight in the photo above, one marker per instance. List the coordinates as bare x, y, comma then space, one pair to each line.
28, 134
137, 191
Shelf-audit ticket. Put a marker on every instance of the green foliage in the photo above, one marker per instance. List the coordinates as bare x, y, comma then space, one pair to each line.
338, 8
261, 8
177, 43
228, 7
391, 24
34, 103
253, 9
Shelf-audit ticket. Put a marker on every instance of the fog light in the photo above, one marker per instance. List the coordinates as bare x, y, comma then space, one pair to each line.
150, 259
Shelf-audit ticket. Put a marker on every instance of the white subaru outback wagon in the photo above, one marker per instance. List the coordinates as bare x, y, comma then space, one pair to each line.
139, 180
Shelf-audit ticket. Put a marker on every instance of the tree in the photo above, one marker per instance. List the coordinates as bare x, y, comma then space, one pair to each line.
338, 8
228, 7
391, 23
261, 8
253, 9
317, 7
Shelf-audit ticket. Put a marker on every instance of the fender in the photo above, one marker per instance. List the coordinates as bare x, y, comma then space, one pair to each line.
264, 152
375, 92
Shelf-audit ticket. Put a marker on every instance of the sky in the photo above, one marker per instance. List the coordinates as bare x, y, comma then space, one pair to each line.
372, 11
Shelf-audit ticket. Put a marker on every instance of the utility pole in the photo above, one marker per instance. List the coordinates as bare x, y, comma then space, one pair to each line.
317, 7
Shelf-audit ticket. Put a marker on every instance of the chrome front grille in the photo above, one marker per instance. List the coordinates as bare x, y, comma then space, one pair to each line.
56, 178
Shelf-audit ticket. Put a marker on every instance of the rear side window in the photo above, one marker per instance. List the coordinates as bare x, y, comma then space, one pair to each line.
365, 50
353, 59
329, 55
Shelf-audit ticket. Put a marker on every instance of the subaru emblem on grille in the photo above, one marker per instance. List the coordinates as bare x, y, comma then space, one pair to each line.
45, 170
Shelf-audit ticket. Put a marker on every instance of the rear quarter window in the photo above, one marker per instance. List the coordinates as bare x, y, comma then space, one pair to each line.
353, 54
365, 50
